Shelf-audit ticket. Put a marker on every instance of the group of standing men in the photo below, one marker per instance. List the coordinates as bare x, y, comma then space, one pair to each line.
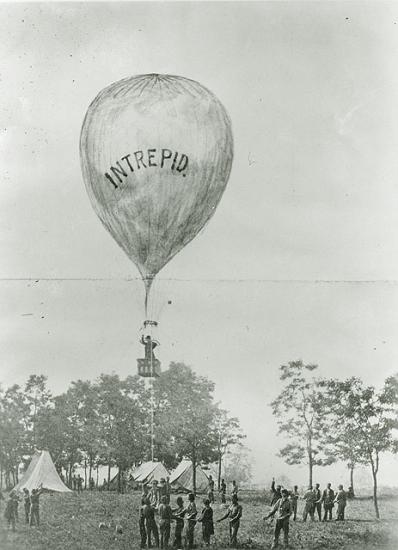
77, 483
31, 507
284, 505
157, 500
315, 499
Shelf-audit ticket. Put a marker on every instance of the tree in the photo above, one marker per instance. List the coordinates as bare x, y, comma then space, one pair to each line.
185, 415
108, 422
300, 413
37, 398
228, 434
13, 413
60, 431
123, 410
346, 447
238, 465
358, 411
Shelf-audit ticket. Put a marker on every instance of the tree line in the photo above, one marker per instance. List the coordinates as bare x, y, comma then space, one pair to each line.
107, 422
328, 420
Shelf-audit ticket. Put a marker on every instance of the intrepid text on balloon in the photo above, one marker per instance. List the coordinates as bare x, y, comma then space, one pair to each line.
148, 158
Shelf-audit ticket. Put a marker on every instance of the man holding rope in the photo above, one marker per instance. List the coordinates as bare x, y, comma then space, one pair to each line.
283, 509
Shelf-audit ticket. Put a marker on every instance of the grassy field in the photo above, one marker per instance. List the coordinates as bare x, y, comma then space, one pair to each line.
70, 522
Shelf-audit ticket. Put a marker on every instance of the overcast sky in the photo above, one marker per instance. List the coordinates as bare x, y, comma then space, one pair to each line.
300, 260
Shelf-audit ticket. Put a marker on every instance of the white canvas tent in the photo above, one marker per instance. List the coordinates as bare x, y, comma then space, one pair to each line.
41, 472
148, 471
182, 478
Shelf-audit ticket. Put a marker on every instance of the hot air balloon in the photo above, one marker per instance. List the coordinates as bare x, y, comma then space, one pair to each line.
156, 154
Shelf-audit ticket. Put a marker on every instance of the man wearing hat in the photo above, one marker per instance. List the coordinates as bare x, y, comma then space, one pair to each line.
276, 493
210, 489
190, 517
328, 499
282, 509
168, 489
153, 494
341, 500
309, 507
234, 513
162, 489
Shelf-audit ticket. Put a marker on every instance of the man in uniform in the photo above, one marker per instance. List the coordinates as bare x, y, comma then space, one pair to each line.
328, 499
294, 496
34, 506
318, 501
153, 494
341, 500
26, 503
283, 509
210, 489
144, 490
168, 489
190, 517
234, 513
178, 516
309, 498
162, 488
150, 524
15, 499
277, 495
149, 345
206, 519
79, 484
165, 515
142, 521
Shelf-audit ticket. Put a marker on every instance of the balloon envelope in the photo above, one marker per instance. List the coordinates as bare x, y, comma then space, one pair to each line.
156, 154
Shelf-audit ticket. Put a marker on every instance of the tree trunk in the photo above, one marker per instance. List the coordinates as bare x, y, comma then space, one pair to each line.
119, 480
34, 424
109, 476
97, 478
352, 478
219, 471
310, 462
85, 473
376, 505
70, 475
90, 471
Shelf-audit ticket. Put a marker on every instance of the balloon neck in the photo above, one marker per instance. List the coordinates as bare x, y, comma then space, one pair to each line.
148, 280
